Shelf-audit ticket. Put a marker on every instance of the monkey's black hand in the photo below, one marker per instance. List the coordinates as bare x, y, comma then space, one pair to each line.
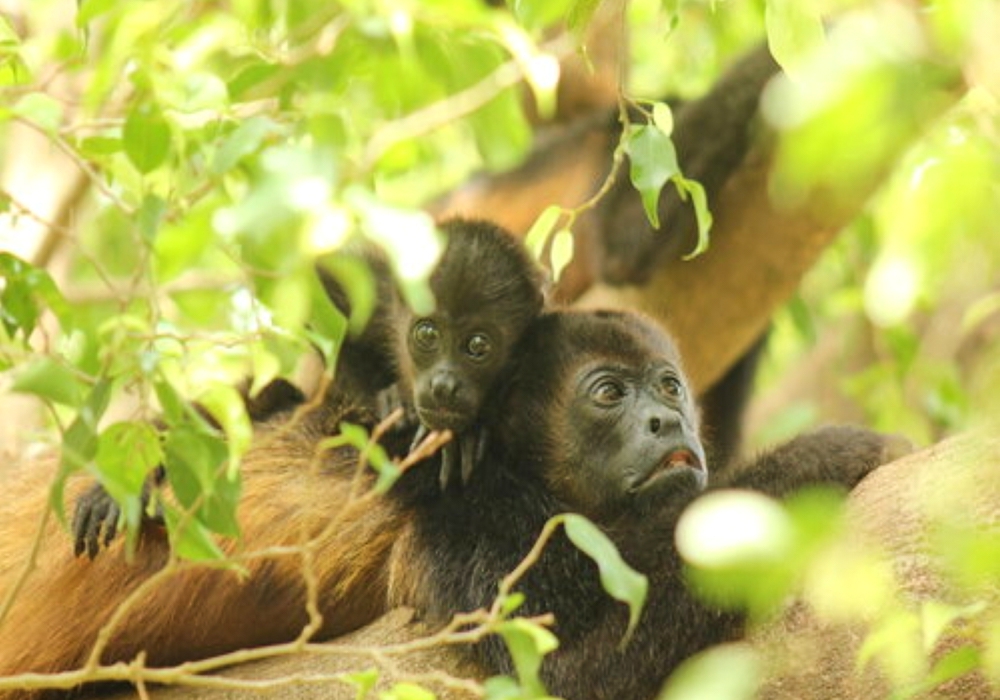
461, 456
95, 521
97, 514
391, 399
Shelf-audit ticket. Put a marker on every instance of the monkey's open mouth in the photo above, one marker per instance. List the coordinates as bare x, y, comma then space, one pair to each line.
677, 460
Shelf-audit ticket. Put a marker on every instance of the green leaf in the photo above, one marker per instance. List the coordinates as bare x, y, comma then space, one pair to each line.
126, 453
663, 117
579, 15
147, 138
357, 280
364, 681
502, 688
528, 644
653, 162
243, 141
358, 438
937, 616
561, 253
193, 457
41, 110
621, 581
728, 671
189, 538
794, 30
91, 9
702, 214
538, 234
27, 292
51, 380
407, 691
953, 664
150, 216
228, 408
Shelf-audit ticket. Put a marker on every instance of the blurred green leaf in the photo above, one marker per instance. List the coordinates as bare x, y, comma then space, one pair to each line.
146, 138
407, 691
794, 30
364, 681
50, 379
41, 110
228, 408
729, 671
27, 292
89, 10
621, 581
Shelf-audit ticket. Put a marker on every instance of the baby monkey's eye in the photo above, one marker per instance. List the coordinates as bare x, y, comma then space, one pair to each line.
478, 346
672, 386
426, 334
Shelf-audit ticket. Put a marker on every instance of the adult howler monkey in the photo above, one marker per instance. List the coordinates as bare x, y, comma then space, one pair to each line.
597, 418
440, 367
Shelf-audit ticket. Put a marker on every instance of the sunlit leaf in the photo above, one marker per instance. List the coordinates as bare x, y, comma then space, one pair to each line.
540, 231
937, 616
731, 672
561, 253
653, 162
528, 643
621, 581
90, 10
364, 681
703, 216
146, 138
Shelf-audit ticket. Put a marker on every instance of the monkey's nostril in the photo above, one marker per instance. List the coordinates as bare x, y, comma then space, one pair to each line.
654, 425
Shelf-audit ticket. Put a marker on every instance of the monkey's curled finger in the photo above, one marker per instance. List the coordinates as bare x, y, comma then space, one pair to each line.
451, 455
468, 444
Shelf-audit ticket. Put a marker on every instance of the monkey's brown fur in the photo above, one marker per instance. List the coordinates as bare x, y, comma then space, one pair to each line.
291, 493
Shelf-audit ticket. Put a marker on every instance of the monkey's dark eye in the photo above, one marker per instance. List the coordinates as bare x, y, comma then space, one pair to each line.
607, 392
478, 346
672, 386
425, 334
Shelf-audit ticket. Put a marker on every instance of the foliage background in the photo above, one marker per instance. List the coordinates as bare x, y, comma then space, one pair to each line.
172, 169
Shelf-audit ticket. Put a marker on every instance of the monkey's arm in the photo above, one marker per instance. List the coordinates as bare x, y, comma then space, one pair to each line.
97, 516
839, 455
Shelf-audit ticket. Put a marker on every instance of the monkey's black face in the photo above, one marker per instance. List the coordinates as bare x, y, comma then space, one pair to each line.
633, 435
456, 361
